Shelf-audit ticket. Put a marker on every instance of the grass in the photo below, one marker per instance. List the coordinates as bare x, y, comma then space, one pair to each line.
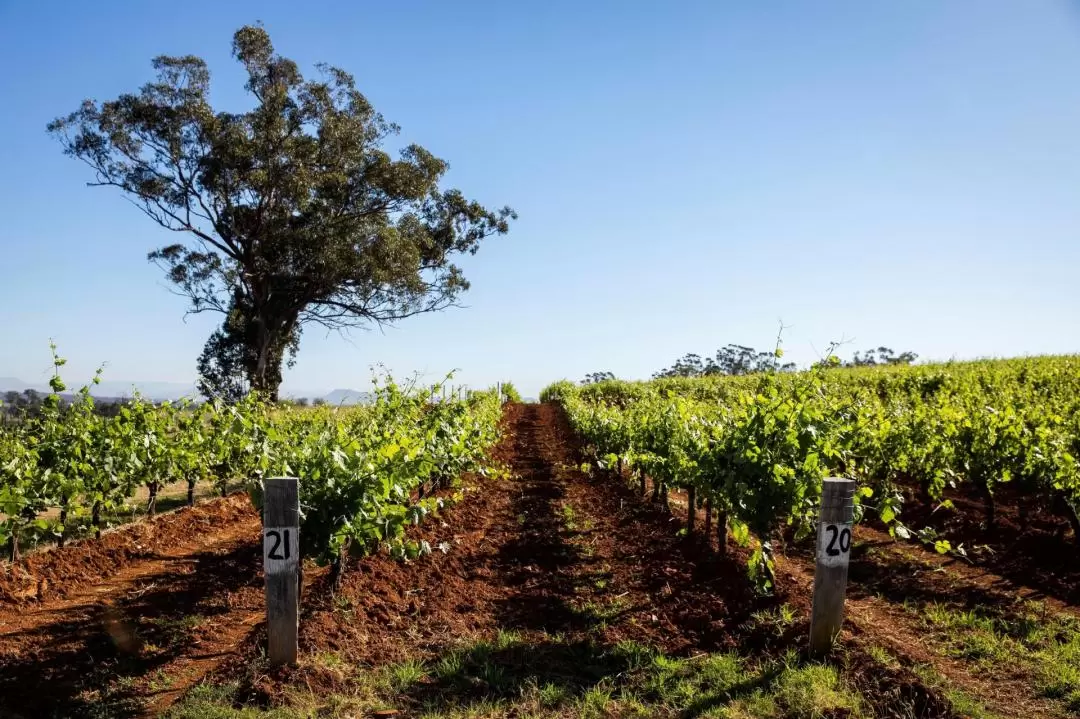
216, 702
176, 631
882, 657
550, 676
961, 702
569, 517
1027, 635
776, 621
598, 615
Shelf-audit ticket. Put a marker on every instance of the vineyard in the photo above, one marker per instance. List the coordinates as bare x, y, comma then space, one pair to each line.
755, 448
621, 549
361, 465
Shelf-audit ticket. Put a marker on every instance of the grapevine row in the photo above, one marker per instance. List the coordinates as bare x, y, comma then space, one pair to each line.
757, 447
364, 470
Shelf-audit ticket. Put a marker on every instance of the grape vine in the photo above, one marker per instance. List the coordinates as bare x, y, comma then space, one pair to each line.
757, 447
366, 472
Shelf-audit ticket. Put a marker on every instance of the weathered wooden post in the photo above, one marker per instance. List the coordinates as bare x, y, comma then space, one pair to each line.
833, 553
281, 565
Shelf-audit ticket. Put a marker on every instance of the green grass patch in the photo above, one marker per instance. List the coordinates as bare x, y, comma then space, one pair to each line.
961, 702
1026, 635
550, 676
569, 517
217, 702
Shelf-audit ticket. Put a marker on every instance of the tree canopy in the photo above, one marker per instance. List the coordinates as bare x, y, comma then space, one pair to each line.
731, 360
595, 377
288, 214
881, 355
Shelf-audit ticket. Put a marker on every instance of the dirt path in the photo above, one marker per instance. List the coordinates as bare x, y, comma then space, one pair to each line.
1030, 547
906, 571
549, 550
570, 564
872, 619
128, 643
891, 581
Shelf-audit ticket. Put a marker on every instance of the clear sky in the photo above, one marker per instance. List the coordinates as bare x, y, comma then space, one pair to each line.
903, 173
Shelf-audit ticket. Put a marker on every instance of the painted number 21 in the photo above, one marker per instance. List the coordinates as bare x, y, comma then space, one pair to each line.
276, 536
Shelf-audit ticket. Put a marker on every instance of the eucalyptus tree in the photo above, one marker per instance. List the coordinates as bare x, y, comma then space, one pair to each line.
288, 214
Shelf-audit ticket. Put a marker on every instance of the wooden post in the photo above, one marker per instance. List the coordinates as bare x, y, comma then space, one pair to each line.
281, 564
833, 553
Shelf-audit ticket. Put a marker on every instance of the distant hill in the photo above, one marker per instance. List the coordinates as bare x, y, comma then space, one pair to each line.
161, 391
9, 384
157, 391
347, 396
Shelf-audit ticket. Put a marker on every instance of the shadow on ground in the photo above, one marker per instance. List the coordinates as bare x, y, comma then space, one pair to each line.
88, 663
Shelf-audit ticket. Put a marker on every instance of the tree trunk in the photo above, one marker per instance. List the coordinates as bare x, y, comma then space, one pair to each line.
1067, 508
273, 326
721, 533
619, 466
708, 519
260, 381
62, 539
655, 490
14, 545
95, 519
989, 507
691, 511
191, 492
664, 496
641, 480
151, 503
337, 568
1022, 513
924, 494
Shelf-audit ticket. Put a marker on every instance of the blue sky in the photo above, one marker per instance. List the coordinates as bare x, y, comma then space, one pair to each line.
687, 173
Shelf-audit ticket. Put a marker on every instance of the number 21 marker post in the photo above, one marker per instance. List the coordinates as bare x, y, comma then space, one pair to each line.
281, 565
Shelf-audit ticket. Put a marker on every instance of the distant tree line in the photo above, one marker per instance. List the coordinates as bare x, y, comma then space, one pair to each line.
881, 355
739, 360
594, 377
29, 402
730, 360
303, 402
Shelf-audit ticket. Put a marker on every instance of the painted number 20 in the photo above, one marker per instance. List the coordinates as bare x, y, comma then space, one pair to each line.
839, 540
276, 536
